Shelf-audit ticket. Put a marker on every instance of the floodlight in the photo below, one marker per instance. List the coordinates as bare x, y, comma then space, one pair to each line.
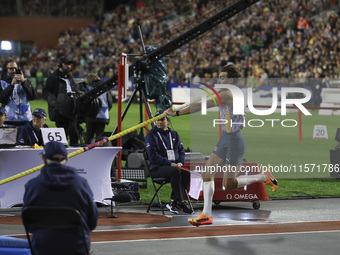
6, 45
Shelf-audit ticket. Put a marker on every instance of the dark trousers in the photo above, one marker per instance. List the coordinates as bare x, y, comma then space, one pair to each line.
94, 128
71, 131
180, 180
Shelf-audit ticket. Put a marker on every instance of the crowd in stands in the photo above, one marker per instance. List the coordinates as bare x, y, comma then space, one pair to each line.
271, 39
46, 8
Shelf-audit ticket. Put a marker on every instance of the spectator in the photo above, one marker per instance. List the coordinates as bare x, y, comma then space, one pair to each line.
15, 94
262, 27
302, 24
31, 133
61, 186
61, 92
96, 125
3, 116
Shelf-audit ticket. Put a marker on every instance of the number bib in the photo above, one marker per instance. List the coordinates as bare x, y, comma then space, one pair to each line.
54, 134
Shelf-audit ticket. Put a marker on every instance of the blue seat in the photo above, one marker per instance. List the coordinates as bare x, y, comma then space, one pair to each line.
14, 246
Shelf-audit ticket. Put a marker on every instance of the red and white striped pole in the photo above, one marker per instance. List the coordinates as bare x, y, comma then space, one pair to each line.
122, 76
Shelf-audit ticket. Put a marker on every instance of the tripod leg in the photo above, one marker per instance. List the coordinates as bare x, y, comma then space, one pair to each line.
145, 100
112, 215
126, 109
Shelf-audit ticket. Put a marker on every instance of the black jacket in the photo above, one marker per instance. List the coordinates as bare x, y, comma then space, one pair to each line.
59, 101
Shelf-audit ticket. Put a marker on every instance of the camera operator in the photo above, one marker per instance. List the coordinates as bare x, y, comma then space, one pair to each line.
15, 94
95, 125
61, 92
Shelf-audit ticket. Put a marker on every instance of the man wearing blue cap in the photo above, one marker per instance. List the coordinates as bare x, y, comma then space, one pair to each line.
166, 153
3, 116
31, 133
59, 185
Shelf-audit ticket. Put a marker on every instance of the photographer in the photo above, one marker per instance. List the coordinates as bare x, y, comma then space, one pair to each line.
15, 94
61, 92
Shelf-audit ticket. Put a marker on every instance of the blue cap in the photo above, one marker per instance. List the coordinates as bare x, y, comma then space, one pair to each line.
3, 110
40, 112
161, 112
51, 149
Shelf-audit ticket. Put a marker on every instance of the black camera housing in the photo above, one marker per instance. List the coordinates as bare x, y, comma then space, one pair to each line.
18, 71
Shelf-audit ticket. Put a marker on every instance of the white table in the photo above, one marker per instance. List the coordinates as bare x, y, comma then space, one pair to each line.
94, 165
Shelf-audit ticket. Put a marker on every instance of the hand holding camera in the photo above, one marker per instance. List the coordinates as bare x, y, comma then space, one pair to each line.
18, 77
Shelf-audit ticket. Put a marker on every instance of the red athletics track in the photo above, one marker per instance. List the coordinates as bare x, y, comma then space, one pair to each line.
294, 226
211, 231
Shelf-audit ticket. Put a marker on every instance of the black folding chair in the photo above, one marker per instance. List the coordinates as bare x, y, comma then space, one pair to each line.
34, 217
161, 181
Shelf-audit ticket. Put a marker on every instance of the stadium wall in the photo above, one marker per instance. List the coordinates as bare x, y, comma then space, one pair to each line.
44, 32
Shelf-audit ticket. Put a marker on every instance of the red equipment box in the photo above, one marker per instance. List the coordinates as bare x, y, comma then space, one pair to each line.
253, 192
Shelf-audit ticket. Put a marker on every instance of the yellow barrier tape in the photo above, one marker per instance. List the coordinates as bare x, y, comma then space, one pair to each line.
89, 147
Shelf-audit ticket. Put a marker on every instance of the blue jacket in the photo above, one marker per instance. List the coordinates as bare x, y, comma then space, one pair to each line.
30, 136
60, 185
16, 99
155, 149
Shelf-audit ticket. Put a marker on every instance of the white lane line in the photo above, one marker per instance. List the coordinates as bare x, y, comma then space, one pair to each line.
227, 225
223, 236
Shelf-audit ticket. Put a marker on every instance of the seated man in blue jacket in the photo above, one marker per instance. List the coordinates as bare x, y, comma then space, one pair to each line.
3, 116
61, 186
31, 133
166, 153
